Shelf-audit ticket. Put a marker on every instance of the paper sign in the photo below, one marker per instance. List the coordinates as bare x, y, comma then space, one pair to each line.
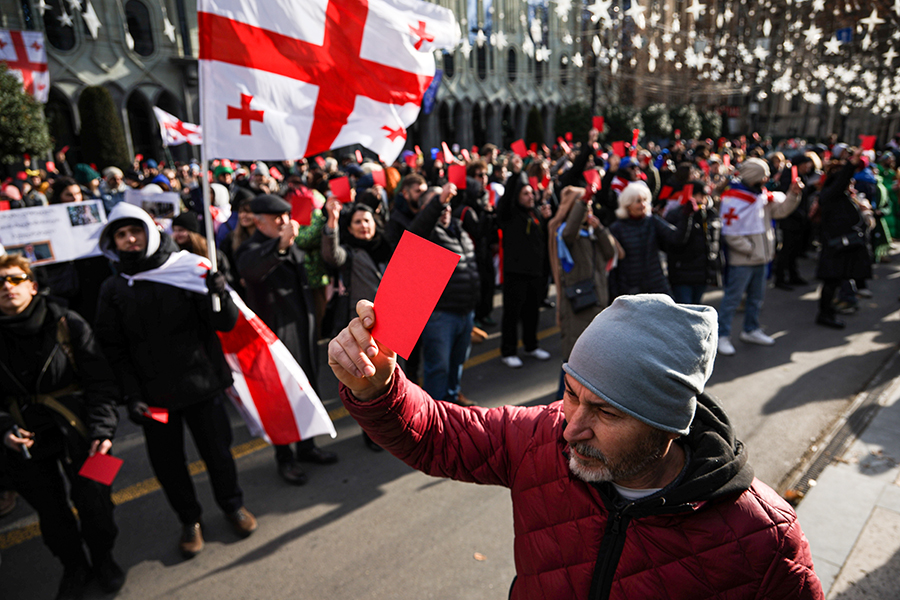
519, 148
340, 189
55, 233
158, 414
793, 173
358, 156
456, 174
159, 205
378, 178
409, 290
868, 141
597, 123
102, 468
619, 149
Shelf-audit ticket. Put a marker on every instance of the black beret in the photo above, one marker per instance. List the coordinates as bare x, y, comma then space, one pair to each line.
188, 220
267, 204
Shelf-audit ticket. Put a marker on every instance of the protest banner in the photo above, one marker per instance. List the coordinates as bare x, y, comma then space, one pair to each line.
55, 233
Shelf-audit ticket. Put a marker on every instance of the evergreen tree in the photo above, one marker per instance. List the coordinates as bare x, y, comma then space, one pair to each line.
23, 129
574, 118
711, 125
686, 119
620, 122
657, 121
102, 135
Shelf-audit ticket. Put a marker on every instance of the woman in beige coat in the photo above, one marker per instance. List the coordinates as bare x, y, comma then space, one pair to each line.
580, 247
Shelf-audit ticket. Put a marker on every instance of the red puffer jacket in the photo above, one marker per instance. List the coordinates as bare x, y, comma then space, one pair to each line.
716, 532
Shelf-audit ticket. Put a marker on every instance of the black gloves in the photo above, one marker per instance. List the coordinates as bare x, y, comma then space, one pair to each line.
215, 283
138, 411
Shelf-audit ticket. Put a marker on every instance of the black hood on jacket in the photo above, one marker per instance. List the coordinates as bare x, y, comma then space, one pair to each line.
514, 185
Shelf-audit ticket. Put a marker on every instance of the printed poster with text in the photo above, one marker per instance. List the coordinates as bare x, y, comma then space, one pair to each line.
55, 233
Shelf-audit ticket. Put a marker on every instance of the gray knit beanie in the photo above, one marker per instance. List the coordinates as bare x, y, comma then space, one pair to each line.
648, 357
754, 170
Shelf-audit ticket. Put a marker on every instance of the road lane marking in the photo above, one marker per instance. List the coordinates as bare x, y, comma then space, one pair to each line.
32, 530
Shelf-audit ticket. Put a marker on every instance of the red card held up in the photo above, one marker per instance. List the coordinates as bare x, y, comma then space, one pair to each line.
410, 161
867, 141
619, 149
687, 193
597, 123
568, 136
726, 161
448, 156
533, 147
519, 148
456, 174
340, 189
533, 182
320, 161
359, 158
793, 173
592, 177
378, 178
158, 414
409, 290
102, 468
466, 156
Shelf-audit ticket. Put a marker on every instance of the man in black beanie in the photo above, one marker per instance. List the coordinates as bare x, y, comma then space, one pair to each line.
271, 266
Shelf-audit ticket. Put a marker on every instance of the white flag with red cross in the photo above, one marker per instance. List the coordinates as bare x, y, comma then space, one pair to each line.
26, 58
174, 131
281, 80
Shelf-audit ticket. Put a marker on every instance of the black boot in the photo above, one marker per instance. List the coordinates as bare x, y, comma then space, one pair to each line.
829, 321
74, 580
109, 575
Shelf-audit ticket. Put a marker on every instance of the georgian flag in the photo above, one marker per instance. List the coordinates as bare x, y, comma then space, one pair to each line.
743, 211
26, 58
281, 80
174, 131
274, 396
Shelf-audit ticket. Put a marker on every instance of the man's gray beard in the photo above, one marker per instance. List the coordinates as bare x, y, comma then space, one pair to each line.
629, 466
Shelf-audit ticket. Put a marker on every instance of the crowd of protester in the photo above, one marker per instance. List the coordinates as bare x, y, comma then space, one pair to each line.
679, 219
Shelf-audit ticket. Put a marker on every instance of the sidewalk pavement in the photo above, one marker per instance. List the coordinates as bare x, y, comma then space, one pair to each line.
851, 512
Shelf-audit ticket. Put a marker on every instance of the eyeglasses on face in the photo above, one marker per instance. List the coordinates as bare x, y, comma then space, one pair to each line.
14, 279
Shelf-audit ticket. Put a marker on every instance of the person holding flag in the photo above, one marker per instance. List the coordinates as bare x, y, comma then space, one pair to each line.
161, 341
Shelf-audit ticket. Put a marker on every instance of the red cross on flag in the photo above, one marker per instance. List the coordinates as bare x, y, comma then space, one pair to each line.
281, 80
174, 131
26, 58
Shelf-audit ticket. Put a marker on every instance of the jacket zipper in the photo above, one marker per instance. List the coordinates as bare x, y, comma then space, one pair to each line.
608, 557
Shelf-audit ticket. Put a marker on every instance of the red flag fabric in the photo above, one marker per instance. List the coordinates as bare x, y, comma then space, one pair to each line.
273, 393
175, 131
26, 58
519, 148
280, 80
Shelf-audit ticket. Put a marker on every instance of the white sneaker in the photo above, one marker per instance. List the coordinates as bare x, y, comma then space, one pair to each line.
539, 354
513, 362
726, 348
757, 337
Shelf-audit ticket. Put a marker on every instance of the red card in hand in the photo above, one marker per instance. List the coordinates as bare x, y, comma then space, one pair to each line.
411, 161
793, 173
466, 155
619, 149
448, 156
340, 189
867, 141
592, 178
456, 174
320, 161
158, 414
568, 136
597, 123
519, 148
102, 468
409, 290
378, 178
533, 182
687, 193
533, 147
726, 161
358, 156
4, 204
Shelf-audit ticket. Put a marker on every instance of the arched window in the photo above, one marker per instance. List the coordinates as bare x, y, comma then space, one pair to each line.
60, 34
449, 65
481, 62
539, 71
511, 72
564, 69
138, 18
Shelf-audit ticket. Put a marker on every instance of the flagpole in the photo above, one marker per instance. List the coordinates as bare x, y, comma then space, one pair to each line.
208, 221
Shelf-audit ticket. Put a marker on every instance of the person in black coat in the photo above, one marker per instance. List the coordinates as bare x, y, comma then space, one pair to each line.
697, 263
524, 228
161, 342
58, 405
447, 337
794, 228
276, 289
845, 251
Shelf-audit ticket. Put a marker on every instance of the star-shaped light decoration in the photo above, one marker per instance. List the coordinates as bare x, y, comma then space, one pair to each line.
74, 5
833, 46
818, 6
466, 48
578, 60
666, 38
676, 24
728, 14
653, 50
889, 56
897, 7
637, 41
600, 10
129, 41
499, 41
596, 46
614, 65
813, 34
670, 55
636, 12
567, 39
767, 28
43, 6
542, 54
65, 19
480, 38
528, 48
655, 17
872, 20
91, 20
563, 8
787, 45
866, 42
696, 9
169, 29
537, 34
651, 64
760, 53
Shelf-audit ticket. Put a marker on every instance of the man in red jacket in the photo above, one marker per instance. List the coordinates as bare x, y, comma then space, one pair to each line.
632, 486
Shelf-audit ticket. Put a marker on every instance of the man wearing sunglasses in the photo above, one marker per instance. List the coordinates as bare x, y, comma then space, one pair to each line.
57, 406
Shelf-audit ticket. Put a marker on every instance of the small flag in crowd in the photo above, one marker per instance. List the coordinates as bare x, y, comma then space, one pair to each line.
287, 79
175, 131
274, 395
26, 58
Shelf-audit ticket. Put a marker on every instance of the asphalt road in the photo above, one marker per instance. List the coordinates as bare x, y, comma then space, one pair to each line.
370, 528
